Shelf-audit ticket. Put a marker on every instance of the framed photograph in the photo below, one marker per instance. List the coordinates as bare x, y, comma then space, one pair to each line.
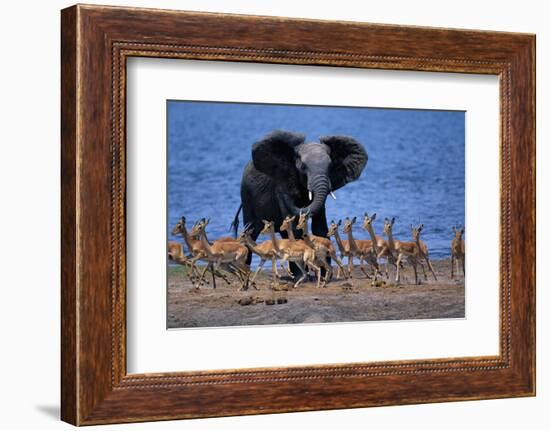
263, 214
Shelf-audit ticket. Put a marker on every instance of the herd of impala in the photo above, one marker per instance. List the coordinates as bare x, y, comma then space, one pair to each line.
309, 253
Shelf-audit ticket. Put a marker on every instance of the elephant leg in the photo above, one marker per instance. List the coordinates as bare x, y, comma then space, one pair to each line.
286, 269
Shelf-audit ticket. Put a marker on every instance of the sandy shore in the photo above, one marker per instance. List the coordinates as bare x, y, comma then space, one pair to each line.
338, 302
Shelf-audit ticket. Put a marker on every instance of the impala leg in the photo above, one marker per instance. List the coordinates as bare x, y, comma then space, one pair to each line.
287, 268
188, 271
464, 266
195, 272
243, 273
224, 277
260, 266
397, 272
241, 280
274, 273
328, 273
201, 276
457, 263
341, 269
317, 270
282, 265
452, 266
211, 266
423, 270
384, 269
374, 263
195, 269
302, 269
220, 272
239, 274
247, 273
350, 266
382, 253
393, 261
274, 268
288, 271
431, 268
362, 267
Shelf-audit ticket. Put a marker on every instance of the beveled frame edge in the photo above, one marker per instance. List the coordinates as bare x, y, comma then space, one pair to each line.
96, 41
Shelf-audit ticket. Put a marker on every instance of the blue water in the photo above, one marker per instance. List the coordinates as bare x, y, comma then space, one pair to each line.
415, 170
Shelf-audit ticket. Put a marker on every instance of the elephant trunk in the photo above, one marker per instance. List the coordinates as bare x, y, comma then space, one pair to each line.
320, 187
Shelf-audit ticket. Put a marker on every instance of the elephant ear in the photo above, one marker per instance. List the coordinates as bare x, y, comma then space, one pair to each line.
349, 158
274, 153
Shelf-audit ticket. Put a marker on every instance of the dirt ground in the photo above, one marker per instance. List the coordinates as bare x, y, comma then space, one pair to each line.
338, 302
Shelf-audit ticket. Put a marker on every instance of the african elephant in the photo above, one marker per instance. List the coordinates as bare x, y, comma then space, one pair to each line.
287, 175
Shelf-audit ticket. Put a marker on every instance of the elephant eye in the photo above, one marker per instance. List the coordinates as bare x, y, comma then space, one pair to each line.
300, 165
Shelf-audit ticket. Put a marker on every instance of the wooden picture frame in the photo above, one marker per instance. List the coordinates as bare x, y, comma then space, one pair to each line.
95, 43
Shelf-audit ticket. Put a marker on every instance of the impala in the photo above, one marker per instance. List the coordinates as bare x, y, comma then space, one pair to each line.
411, 251
265, 250
324, 249
292, 250
196, 249
360, 248
381, 249
457, 251
229, 254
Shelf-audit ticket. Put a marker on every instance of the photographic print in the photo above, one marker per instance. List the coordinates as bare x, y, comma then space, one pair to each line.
294, 214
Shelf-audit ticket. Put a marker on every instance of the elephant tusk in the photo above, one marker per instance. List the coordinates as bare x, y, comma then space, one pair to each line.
310, 195
333, 195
